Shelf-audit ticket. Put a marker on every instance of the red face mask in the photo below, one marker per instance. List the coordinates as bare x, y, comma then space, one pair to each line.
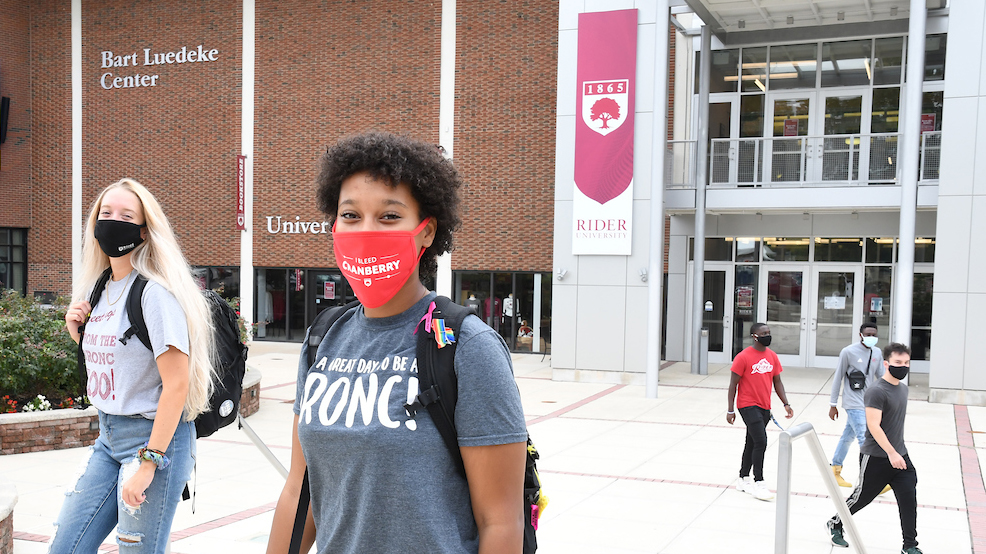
377, 263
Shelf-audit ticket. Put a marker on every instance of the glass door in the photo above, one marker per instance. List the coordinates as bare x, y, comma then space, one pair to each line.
717, 311
783, 304
790, 148
837, 312
924, 284
844, 131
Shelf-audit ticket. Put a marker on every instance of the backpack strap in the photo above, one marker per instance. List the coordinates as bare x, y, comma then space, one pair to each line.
323, 322
135, 313
80, 356
436, 376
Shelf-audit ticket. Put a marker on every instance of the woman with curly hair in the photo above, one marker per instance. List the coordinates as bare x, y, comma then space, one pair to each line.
382, 480
133, 476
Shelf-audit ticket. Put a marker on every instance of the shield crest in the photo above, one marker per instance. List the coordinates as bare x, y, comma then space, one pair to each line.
367, 281
605, 104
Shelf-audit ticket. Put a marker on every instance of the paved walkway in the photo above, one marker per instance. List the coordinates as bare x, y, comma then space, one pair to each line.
624, 473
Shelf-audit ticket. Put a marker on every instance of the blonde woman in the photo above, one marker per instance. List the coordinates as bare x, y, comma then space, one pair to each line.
133, 476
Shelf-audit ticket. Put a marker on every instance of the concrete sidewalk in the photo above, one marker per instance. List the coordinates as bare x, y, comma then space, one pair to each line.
623, 473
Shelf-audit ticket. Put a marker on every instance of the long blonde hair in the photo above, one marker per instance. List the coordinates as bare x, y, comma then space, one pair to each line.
159, 258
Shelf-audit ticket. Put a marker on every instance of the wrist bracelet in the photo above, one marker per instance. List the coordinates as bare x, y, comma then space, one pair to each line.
730, 413
154, 456
787, 405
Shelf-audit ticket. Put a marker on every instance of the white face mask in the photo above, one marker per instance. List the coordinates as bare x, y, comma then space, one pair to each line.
870, 342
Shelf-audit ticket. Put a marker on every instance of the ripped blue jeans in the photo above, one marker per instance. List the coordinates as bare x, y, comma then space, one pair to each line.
93, 505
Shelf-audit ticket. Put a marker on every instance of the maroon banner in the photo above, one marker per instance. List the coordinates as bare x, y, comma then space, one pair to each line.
607, 65
240, 193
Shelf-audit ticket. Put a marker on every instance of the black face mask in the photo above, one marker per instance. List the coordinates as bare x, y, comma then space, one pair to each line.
898, 371
117, 238
764, 340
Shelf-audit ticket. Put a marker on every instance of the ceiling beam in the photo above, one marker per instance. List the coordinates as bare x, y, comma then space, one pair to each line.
869, 9
814, 10
763, 13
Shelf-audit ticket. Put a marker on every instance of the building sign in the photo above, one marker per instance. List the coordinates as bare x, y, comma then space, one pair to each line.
790, 127
330, 290
131, 76
928, 122
296, 226
240, 193
602, 203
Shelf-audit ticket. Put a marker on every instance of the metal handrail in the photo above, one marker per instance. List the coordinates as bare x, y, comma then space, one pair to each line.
784, 459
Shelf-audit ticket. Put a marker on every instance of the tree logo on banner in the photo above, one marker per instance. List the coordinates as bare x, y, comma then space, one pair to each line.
604, 104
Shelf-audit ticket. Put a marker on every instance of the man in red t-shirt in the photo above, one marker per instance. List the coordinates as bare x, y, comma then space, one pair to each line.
754, 371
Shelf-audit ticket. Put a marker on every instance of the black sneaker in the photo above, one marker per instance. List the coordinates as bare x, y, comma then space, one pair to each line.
911, 550
836, 536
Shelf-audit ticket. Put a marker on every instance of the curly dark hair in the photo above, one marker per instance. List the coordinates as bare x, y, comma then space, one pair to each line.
394, 159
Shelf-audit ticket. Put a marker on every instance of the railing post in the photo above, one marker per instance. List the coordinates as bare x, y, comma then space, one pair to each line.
783, 515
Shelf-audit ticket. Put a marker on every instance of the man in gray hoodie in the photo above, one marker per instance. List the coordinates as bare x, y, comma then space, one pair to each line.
860, 364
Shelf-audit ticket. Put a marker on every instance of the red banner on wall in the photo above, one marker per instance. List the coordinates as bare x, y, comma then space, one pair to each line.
241, 193
605, 102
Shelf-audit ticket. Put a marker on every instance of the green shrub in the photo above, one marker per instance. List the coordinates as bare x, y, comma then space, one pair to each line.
37, 355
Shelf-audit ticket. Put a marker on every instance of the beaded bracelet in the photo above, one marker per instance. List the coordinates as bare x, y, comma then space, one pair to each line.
155, 456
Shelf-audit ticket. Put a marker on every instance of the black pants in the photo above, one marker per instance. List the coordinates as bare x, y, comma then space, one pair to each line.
876, 473
756, 419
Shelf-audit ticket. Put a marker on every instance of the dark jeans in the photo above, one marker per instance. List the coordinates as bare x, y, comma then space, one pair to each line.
876, 473
756, 419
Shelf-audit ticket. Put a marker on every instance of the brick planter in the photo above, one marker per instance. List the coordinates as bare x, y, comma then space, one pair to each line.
71, 428
48, 430
8, 498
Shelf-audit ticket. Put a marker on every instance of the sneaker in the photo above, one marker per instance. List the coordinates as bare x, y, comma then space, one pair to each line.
911, 550
761, 492
836, 535
744, 484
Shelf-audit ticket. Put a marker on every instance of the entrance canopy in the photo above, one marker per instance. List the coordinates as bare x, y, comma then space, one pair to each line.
756, 21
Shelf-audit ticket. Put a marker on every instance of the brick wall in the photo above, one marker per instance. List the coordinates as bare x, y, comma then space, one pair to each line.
69, 431
7, 534
506, 81
324, 71
49, 242
179, 137
15, 83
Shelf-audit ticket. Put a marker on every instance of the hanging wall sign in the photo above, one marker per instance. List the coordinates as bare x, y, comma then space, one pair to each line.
241, 193
602, 205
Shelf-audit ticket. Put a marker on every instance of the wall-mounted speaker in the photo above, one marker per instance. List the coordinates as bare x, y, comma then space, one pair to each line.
4, 111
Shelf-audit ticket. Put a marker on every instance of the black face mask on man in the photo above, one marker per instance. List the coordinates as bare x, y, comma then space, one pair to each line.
898, 371
117, 238
764, 340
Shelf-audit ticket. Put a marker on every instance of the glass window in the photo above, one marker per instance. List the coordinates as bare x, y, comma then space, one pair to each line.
931, 110
748, 250
13, 259
751, 115
843, 115
886, 108
924, 249
846, 63
785, 249
888, 60
716, 249
754, 70
793, 66
934, 57
724, 72
880, 250
838, 249
924, 285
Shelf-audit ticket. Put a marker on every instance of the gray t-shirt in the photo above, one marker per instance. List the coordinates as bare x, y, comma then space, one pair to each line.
381, 481
853, 357
124, 378
892, 401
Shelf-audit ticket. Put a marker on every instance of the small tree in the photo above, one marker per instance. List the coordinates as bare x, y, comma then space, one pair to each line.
605, 109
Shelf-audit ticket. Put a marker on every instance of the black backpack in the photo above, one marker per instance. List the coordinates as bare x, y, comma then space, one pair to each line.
438, 388
224, 403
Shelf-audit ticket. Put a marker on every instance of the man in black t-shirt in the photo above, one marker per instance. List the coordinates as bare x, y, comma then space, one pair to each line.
884, 459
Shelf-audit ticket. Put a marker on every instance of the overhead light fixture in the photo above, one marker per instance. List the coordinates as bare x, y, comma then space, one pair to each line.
893, 11
869, 72
741, 24
760, 85
841, 16
790, 20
